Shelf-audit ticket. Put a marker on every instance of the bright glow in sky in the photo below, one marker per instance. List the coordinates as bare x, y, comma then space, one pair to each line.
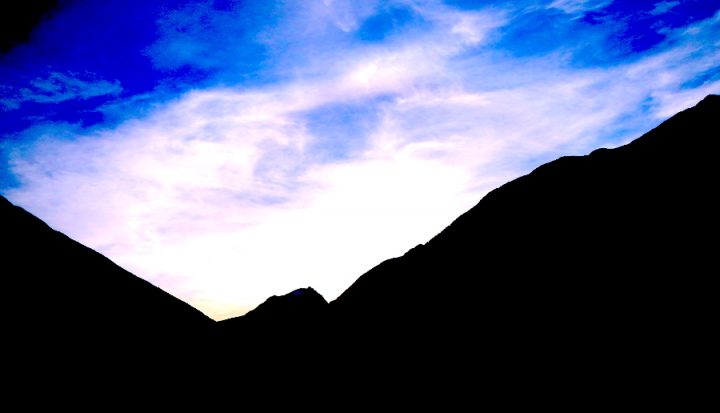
227, 151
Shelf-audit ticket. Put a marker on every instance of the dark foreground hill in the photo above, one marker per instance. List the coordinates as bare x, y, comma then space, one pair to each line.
591, 273
66, 305
284, 312
610, 230
588, 281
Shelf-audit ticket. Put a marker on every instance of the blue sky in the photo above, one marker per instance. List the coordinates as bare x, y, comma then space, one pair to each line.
231, 150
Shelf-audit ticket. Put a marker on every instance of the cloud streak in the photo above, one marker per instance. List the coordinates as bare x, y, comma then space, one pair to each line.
664, 7
578, 6
225, 195
59, 87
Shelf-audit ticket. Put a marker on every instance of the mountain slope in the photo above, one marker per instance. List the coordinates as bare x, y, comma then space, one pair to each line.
586, 282
61, 297
587, 265
282, 311
639, 207
289, 326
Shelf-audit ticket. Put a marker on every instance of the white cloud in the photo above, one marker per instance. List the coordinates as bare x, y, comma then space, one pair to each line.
578, 6
59, 87
469, 27
664, 7
9, 104
345, 14
217, 197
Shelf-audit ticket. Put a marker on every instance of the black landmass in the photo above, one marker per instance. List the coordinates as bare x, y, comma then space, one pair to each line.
280, 312
288, 327
590, 270
67, 308
586, 283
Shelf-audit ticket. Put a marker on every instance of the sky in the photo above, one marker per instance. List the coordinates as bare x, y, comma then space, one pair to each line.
227, 151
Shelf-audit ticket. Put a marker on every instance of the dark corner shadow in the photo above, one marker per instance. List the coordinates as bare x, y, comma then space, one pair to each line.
19, 18
588, 279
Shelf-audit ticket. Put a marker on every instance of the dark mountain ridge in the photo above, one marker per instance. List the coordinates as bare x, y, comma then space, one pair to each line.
589, 278
587, 266
284, 309
66, 306
615, 209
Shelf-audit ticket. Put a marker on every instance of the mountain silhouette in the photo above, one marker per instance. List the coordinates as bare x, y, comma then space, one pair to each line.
289, 327
586, 282
67, 307
588, 266
287, 310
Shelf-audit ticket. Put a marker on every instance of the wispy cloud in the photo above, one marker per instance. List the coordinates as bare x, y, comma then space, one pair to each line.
664, 7
226, 195
578, 6
59, 87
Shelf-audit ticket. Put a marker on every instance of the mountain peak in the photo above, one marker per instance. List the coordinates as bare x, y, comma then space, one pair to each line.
591, 270
560, 242
298, 316
291, 307
307, 291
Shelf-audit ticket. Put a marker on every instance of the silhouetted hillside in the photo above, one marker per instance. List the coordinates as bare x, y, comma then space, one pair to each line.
615, 214
589, 269
587, 282
282, 311
276, 334
64, 302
